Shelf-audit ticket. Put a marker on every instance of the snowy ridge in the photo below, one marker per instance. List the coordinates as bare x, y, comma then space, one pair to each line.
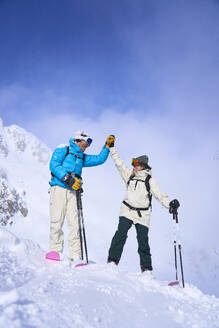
23, 172
39, 293
16, 139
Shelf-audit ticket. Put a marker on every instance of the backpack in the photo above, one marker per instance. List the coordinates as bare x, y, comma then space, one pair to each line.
68, 152
147, 185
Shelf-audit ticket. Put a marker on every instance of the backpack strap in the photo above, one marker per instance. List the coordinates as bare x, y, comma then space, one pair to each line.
138, 209
148, 188
83, 158
130, 178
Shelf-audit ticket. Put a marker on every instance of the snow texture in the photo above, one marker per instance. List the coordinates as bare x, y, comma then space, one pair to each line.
35, 292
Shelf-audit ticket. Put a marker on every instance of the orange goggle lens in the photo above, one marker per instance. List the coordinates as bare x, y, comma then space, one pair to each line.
135, 162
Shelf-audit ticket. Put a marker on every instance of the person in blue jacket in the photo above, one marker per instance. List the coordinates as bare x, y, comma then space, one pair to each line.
66, 168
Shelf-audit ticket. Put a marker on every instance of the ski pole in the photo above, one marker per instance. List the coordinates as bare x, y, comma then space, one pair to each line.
83, 229
175, 218
180, 256
79, 223
175, 255
175, 250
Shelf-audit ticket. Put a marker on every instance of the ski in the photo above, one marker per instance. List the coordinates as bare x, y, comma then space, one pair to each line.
80, 265
173, 283
53, 256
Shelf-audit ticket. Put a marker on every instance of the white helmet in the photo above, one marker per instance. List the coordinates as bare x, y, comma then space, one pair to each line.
81, 135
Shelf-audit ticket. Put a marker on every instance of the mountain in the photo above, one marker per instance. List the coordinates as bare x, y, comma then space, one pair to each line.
24, 172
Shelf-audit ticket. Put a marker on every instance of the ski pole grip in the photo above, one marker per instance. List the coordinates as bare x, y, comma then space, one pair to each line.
175, 217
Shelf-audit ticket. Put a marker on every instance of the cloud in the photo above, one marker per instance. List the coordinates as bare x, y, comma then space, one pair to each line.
168, 65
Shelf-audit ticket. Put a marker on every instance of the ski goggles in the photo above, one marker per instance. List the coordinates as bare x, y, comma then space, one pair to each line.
88, 140
135, 162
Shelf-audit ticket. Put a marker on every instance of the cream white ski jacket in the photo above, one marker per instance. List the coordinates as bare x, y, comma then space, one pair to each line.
137, 195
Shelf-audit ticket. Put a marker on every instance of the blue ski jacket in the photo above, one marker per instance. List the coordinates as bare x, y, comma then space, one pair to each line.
60, 164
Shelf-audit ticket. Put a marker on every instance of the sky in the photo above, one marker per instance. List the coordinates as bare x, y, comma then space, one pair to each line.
83, 59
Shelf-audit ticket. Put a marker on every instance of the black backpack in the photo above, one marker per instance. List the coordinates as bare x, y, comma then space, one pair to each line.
147, 185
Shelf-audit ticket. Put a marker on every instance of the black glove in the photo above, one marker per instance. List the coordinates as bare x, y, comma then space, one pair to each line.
74, 182
68, 179
173, 206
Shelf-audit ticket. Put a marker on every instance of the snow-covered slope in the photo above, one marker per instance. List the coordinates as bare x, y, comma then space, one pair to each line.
24, 176
24, 202
38, 293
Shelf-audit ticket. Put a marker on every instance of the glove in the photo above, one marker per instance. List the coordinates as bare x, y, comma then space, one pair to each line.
173, 206
110, 141
77, 185
71, 181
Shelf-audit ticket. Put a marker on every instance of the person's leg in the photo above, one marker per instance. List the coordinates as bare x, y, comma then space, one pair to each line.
119, 240
143, 247
57, 215
73, 227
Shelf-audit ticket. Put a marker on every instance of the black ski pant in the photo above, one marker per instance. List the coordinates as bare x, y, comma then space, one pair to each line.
119, 240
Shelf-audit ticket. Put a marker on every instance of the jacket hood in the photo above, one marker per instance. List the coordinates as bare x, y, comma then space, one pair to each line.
74, 147
143, 173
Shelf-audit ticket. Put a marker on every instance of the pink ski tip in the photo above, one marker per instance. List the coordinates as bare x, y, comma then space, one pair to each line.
81, 264
53, 256
173, 283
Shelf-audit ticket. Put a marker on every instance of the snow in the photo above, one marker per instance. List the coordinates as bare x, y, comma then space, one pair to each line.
35, 292
24, 170
39, 293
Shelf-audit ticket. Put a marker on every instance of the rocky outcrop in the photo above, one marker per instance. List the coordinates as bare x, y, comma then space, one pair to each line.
11, 202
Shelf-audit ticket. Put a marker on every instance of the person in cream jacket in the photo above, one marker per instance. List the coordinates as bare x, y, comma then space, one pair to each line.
136, 207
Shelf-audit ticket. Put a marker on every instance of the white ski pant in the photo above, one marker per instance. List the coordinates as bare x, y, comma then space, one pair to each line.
63, 203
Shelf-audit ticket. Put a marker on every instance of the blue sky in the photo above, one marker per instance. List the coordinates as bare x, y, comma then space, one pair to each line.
75, 49
86, 57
